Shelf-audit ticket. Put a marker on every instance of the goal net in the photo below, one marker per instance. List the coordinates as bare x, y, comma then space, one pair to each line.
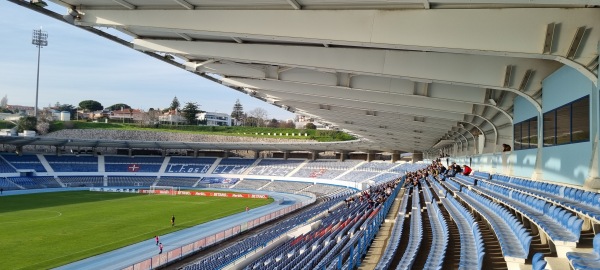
170, 190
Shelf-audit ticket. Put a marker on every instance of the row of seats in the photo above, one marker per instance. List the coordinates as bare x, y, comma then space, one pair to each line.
560, 224
133, 160
120, 167
585, 261
440, 236
35, 182
318, 173
177, 181
239, 249
5, 167
376, 166
416, 234
286, 186
394, 239
331, 164
472, 248
581, 201
513, 237
200, 160
70, 159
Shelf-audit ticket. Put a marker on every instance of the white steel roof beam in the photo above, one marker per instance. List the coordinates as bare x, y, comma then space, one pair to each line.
125, 4
381, 99
184, 4
468, 31
294, 4
458, 69
329, 91
302, 104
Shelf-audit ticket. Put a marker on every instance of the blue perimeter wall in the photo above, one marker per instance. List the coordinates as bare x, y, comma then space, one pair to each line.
564, 163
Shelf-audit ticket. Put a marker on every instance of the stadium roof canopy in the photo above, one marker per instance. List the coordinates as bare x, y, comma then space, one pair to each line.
403, 75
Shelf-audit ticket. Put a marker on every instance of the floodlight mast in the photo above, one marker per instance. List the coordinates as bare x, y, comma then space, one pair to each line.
39, 39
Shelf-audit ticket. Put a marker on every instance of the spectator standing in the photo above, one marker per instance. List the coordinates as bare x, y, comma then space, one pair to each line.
173, 221
160, 248
156, 237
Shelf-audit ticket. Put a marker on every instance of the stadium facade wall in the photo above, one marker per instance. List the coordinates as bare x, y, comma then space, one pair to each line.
569, 163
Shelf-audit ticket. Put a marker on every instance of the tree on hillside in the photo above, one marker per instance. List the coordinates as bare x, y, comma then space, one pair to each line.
189, 112
118, 106
90, 105
310, 126
4, 102
67, 108
274, 123
259, 114
287, 124
175, 104
238, 112
26, 123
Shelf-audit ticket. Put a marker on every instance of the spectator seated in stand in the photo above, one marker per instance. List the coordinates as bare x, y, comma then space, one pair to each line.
466, 170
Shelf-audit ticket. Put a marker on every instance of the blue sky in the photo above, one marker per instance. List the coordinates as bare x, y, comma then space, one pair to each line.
78, 65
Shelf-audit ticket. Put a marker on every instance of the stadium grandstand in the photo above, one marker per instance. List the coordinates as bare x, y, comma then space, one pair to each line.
507, 88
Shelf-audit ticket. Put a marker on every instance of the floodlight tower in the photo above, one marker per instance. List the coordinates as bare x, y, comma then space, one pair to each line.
40, 39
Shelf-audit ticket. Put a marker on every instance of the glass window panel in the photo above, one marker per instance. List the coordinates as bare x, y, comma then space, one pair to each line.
563, 124
533, 138
549, 128
581, 120
517, 136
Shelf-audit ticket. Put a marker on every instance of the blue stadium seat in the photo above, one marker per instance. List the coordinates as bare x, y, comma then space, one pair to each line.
538, 262
586, 261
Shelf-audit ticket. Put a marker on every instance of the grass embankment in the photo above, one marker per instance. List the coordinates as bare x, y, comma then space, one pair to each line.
41, 231
258, 132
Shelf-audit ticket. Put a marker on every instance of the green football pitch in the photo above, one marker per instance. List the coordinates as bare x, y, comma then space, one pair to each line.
40, 231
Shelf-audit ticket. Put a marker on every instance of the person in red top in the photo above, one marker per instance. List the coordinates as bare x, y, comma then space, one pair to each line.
156, 237
466, 170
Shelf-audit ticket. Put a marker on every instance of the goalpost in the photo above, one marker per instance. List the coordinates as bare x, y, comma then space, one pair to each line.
171, 190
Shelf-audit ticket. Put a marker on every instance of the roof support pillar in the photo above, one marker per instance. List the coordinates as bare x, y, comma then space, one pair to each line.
226, 154
417, 156
343, 155
286, 154
315, 155
20, 150
370, 155
130, 152
395, 156
257, 154
195, 153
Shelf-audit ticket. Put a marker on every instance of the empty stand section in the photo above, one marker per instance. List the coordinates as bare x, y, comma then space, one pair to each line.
233, 166
189, 165
82, 181
275, 167
177, 181
24, 162
72, 163
325, 169
35, 182
132, 164
131, 181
